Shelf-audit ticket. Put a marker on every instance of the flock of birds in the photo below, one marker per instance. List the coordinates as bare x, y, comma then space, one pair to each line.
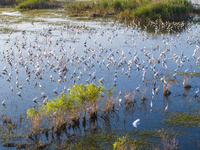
48, 60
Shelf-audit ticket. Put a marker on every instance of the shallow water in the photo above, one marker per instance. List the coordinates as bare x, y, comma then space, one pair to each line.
103, 49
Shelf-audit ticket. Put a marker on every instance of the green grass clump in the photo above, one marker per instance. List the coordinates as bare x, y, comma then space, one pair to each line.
162, 10
126, 142
184, 119
36, 4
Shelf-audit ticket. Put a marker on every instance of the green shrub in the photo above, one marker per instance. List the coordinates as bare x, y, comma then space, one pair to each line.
78, 98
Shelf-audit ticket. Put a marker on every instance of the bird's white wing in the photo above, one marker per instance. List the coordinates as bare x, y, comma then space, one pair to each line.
135, 123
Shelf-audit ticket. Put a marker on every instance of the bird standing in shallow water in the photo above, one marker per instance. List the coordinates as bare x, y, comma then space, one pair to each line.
34, 100
166, 108
137, 88
151, 104
19, 93
195, 95
3, 102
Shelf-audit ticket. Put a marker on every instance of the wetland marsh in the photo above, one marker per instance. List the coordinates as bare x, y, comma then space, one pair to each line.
148, 72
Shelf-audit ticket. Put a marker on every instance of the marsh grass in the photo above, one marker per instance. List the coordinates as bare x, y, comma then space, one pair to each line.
169, 143
183, 119
37, 4
173, 10
165, 136
129, 98
9, 132
143, 98
109, 105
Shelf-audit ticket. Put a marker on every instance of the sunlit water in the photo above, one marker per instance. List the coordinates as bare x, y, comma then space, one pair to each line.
102, 49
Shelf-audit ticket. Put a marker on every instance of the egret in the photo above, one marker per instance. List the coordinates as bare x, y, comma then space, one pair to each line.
135, 123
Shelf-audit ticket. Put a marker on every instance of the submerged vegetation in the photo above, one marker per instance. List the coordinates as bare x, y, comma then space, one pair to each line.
184, 119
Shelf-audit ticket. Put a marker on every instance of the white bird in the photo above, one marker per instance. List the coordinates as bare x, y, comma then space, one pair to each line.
5, 69
166, 108
55, 90
153, 92
45, 100
27, 79
101, 80
20, 87
3, 102
196, 93
135, 123
40, 85
156, 90
174, 75
151, 104
44, 94
137, 88
120, 100
64, 88
11, 88
19, 93
34, 100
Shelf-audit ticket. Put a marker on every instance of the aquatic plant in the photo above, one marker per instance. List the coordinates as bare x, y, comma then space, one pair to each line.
129, 98
120, 143
69, 107
184, 119
126, 142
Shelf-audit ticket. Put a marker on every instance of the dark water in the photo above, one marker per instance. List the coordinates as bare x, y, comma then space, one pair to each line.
103, 49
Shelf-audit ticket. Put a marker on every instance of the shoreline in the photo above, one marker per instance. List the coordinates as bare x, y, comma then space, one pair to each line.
119, 9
